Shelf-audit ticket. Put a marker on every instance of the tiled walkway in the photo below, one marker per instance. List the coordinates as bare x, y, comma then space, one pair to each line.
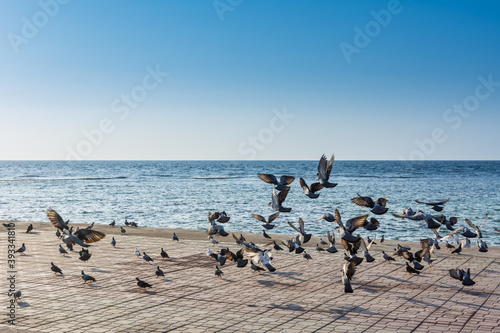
300, 296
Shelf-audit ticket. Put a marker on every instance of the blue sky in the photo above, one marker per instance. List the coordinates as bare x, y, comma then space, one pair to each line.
246, 79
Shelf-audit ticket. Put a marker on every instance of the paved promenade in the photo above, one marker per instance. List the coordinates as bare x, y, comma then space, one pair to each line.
300, 296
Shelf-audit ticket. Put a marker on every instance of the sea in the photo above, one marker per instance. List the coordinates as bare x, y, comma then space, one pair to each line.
180, 194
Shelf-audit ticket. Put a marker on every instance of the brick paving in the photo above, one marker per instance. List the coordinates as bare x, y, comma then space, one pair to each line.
300, 296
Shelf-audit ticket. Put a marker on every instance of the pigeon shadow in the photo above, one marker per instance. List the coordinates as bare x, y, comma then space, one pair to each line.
33, 233
150, 292
290, 307
27, 255
290, 275
267, 283
23, 304
99, 270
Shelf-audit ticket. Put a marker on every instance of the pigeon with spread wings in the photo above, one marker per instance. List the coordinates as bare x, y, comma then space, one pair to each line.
267, 223
377, 207
476, 228
279, 185
310, 191
324, 170
304, 237
345, 231
437, 206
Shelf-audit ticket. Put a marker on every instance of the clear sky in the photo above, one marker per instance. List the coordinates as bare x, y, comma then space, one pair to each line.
256, 79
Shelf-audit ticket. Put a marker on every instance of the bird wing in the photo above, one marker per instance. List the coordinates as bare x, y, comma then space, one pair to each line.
56, 219
337, 218
301, 226
329, 166
356, 222
484, 221
268, 178
350, 269
282, 195
322, 165
363, 201
272, 217
304, 185
315, 187
287, 179
259, 217
330, 238
382, 201
89, 236
293, 227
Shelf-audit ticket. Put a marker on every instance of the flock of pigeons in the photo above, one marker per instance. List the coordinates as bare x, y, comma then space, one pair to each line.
260, 258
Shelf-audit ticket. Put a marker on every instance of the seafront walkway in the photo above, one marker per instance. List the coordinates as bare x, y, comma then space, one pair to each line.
301, 296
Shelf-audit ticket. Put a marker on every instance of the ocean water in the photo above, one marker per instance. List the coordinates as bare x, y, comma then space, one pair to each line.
179, 194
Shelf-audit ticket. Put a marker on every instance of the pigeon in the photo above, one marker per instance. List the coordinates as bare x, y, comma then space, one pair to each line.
212, 239
8, 225
310, 192
89, 235
449, 246
62, 250
365, 249
21, 249
137, 252
84, 255
417, 265
305, 237
410, 269
57, 220
164, 254
482, 246
113, 242
55, 269
259, 256
327, 217
348, 271
30, 227
275, 246
382, 239
294, 245
218, 272
345, 231
267, 223
256, 268
387, 257
467, 281
58, 233
17, 295
331, 240
240, 261
419, 216
223, 218
476, 228
371, 224
239, 240
277, 200
175, 238
324, 170
87, 277
112, 223
90, 226
458, 249
437, 206
265, 234
146, 257
307, 256
319, 248
143, 284
377, 207
123, 231
278, 185
159, 272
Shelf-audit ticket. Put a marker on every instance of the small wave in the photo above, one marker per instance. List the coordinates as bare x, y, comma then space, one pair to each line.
61, 179
210, 178
374, 176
